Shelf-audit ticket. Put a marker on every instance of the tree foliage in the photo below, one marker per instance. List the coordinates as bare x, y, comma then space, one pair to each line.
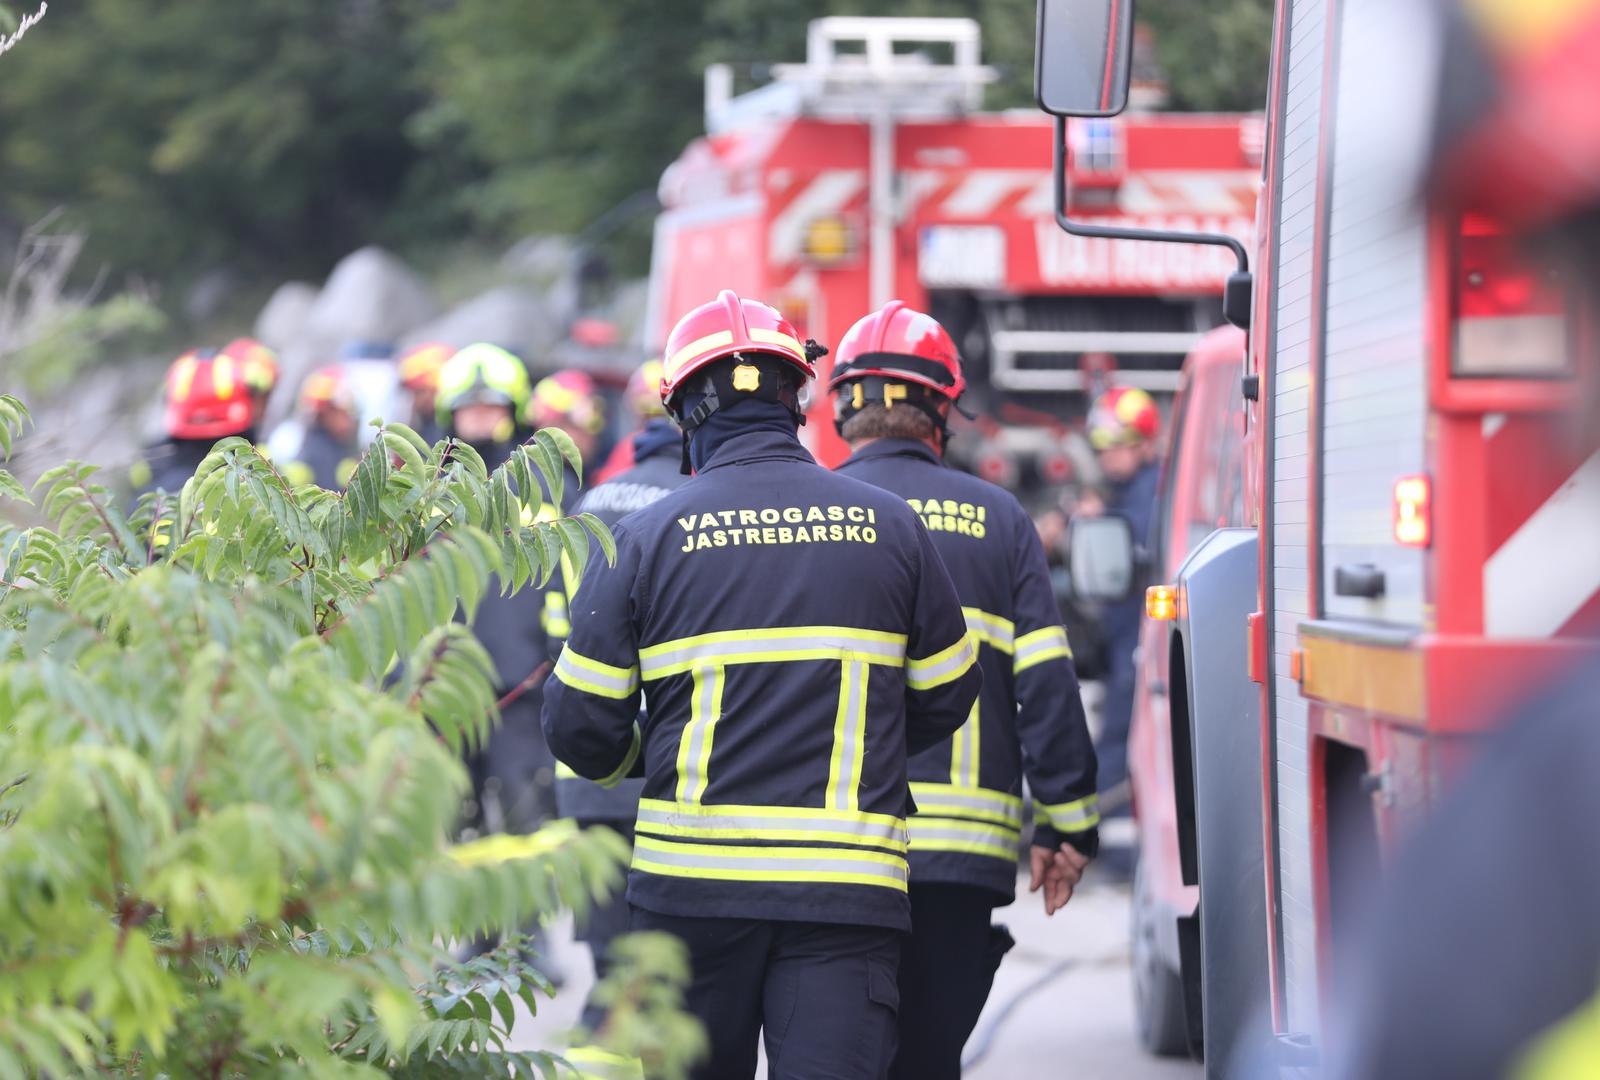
49, 333
180, 135
1215, 63
229, 768
280, 134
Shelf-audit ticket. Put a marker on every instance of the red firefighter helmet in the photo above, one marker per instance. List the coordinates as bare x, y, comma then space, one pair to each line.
1123, 416
898, 342
567, 399
207, 396
258, 362
643, 393
327, 388
420, 365
725, 327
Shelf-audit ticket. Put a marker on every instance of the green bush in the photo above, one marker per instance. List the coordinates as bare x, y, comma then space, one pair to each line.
231, 724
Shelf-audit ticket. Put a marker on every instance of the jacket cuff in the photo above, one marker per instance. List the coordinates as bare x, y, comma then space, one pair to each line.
1085, 841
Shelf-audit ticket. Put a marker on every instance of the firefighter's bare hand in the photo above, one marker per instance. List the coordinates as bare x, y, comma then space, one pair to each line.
1090, 504
1052, 873
1072, 862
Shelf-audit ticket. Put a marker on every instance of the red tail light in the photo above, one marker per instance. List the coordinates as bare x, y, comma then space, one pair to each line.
1510, 314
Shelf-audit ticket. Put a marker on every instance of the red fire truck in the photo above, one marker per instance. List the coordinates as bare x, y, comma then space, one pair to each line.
868, 173
1412, 551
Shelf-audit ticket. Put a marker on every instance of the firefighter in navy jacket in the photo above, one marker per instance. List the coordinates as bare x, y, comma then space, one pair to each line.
797, 638
896, 378
652, 474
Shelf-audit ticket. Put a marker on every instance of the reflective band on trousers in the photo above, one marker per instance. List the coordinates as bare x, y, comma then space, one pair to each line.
591, 676
771, 823
966, 837
726, 862
977, 803
944, 666
990, 629
772, 645
1039, 646
1072, 816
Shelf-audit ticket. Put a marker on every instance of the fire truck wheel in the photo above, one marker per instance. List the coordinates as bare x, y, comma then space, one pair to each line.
1220, 742
1157, 986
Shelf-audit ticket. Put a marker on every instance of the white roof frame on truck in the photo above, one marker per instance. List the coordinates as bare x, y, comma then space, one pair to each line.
855, 67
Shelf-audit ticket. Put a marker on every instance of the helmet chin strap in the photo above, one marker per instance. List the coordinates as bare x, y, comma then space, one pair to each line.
722, 387
877, 390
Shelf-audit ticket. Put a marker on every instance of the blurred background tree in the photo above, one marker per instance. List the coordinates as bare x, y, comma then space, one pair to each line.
273, 137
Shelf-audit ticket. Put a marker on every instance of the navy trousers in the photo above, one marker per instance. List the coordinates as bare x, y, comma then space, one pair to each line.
946, 971
825, 996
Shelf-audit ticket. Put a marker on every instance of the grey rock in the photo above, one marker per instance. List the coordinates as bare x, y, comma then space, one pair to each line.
370, 296
542, 259
511, 315
287, 313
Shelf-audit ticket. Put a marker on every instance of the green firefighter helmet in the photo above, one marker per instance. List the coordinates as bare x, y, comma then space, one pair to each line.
482, 374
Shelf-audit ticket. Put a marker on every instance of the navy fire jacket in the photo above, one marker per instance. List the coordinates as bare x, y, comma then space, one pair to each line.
796, 638
646, 481
1029, 720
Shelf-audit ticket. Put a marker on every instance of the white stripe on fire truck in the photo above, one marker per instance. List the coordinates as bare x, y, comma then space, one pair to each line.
982, 192
829, 193
915, 187
1550, 567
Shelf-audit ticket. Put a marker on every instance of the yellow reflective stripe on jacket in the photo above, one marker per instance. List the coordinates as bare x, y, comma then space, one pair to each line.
771, 823
554, 619
1039, 646
726, 862
944, 666
849, 738
976, 803
1074, 816
593, 1063
1569, 1048
694, 746
567, 772
967, 837
621, 771
772, 645
593, 677
965, 748
990, 629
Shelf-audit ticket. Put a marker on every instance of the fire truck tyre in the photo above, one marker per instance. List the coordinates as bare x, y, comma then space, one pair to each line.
1157, 986
1222, 712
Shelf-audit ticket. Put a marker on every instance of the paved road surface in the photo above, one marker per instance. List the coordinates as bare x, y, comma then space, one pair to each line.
1076, 1021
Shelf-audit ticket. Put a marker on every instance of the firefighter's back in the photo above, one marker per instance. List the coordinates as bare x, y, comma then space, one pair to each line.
780, 603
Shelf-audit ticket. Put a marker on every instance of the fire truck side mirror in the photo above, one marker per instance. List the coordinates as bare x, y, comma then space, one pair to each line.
1083, 56
1100, 558
1236, 298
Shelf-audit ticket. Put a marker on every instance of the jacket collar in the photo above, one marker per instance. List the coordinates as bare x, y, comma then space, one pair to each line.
882, 448
747, 448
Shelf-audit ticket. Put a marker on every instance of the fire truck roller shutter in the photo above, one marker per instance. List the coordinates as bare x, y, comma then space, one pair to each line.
1037, 343
1290, 348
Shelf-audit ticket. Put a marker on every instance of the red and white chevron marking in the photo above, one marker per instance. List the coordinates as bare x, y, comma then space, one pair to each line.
1543, 576
977, 195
